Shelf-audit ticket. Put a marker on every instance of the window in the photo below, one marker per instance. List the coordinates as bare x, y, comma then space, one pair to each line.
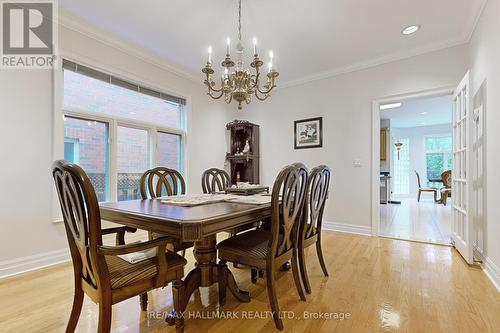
438, 155
169, 150
115, 130
133, 160
85, 143
402, 167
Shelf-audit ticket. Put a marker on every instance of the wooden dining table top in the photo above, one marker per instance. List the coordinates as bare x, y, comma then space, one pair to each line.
185, 223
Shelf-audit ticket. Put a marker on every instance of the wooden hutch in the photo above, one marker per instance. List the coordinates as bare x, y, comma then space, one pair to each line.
244, 164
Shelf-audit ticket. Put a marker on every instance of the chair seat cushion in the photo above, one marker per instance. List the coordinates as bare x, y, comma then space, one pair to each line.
248, 248
123, 273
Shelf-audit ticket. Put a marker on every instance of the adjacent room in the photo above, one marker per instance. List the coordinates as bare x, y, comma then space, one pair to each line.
249, 165
415, 168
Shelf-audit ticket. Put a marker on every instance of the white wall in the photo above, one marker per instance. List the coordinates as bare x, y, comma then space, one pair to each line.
417, 135
485, 69
345, 103
26, 133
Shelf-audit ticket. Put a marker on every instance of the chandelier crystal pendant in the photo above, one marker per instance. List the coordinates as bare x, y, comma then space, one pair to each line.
239, 84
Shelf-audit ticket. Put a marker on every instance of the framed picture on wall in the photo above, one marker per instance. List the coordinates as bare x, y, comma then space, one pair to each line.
308, 133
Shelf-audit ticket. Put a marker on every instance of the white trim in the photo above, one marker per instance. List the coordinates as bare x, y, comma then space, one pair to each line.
370, 64
375, 160
34, 262
347, 228
492, 271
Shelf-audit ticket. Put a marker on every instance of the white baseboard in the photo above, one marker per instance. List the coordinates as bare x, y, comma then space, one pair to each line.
348, 228
492, 272
34, 262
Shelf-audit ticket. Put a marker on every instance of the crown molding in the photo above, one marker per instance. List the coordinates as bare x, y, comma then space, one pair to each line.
75, 24
372, 63
474, 20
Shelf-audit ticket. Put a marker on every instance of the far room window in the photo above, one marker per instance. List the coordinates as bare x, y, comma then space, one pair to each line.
438, 155
402, 167
115, 130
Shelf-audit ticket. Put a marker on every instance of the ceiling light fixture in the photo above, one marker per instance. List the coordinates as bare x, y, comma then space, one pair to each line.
410, 29
390, 106
423, 113
240, 84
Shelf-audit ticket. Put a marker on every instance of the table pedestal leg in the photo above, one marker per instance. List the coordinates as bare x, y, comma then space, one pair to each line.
206, 273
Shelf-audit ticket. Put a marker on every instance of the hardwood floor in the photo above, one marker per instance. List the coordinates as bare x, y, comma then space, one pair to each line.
382, 284
424, 221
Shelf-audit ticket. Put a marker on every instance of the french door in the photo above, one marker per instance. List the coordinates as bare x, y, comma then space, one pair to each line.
461, 175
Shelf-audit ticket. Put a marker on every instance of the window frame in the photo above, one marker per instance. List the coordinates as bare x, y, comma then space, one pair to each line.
446, 153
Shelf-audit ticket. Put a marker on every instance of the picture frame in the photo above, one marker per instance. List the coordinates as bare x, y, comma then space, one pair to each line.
308, 133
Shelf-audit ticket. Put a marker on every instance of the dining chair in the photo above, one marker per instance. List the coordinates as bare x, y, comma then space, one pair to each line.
446, 190
269, 249
161, 181
215, 180
424, 189
99, 272
312, 218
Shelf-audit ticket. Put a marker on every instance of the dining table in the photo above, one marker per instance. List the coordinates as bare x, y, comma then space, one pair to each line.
199, 224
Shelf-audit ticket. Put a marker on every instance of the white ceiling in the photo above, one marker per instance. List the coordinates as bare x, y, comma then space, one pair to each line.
438, 111
310, 39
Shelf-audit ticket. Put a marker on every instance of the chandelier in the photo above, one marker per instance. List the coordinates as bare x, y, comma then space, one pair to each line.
239, 84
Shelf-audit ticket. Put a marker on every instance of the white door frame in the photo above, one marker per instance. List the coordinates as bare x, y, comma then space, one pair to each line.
375, 164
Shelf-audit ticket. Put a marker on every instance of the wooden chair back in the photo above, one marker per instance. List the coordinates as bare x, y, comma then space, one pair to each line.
82, 221
418, 179
287, 202
161, 181
317, 192
215, 180
446, 178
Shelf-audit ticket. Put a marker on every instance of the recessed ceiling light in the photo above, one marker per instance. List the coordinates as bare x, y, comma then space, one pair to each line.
410, 29
424, 113
390, 106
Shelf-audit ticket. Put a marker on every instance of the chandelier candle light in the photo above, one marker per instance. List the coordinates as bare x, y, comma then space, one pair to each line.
239, 84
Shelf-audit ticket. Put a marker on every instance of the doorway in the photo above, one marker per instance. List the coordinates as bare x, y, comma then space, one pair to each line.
416, 154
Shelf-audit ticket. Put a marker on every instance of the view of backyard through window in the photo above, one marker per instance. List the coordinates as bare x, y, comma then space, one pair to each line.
92, 108
438, 155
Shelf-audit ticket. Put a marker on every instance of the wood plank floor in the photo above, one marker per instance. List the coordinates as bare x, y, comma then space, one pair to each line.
383, 284
424, 221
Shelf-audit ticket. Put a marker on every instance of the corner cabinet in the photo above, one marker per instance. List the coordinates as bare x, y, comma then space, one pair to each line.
243, 155
384, 137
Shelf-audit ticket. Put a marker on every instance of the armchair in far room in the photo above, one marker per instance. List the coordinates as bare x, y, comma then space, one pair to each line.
446, 190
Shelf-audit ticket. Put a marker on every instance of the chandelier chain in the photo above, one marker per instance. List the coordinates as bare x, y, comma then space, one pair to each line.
239, 20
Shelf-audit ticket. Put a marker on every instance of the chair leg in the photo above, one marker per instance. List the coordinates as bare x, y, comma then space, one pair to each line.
435, 196
296, 276
273, 300
418, 197
222, 282
444, 198
144, 301
104, 315
76, 310
303, 270
319, 251
178, 299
